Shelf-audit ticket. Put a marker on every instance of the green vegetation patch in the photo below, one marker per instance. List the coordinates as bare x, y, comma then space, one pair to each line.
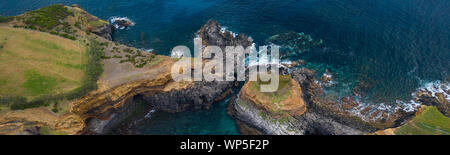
94, 70
47, 17
38, 84
138, 59
429, 122
282, 92
44, 70
97, 23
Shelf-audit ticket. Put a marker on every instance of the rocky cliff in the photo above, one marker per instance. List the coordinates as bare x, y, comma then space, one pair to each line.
100, 110
162, 93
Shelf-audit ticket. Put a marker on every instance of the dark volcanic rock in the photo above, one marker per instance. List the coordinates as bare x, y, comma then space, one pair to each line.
203, 93
305, 77
212, 35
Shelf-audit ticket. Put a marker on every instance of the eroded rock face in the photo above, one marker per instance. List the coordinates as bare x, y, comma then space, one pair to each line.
35, 121
104, 31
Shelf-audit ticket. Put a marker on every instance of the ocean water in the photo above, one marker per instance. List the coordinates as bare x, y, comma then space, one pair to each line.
213, 121
387, 49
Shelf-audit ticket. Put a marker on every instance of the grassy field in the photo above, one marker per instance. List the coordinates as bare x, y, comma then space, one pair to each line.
429, 122
33, 63
282, 92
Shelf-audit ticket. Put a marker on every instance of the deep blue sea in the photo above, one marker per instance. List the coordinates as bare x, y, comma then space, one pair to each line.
386, 48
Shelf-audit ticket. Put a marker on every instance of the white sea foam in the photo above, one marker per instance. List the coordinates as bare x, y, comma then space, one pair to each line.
408, 106
114, 19
224, 29
177, 54
436, 87
149, 50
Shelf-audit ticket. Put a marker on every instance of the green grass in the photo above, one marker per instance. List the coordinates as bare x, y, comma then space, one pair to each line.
40, 69
93, 71
39, 84
429, 122
68, 65
35, 63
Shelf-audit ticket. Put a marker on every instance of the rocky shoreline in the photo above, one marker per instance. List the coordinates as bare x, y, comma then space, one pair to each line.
301, 112
166, 95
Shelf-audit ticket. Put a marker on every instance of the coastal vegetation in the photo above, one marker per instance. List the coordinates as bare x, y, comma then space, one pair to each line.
52, 19
6, 19
48, 17
135, 57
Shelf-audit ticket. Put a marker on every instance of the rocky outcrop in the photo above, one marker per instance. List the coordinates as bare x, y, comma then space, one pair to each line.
212, 34
438, 99
306, 124
124, 22
247, 109
287, 101
95, 24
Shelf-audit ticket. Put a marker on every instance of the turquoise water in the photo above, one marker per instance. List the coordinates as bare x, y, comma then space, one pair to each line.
385, 48
213, 121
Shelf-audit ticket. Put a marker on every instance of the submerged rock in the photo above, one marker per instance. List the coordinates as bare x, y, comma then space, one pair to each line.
121, 22
293, 43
